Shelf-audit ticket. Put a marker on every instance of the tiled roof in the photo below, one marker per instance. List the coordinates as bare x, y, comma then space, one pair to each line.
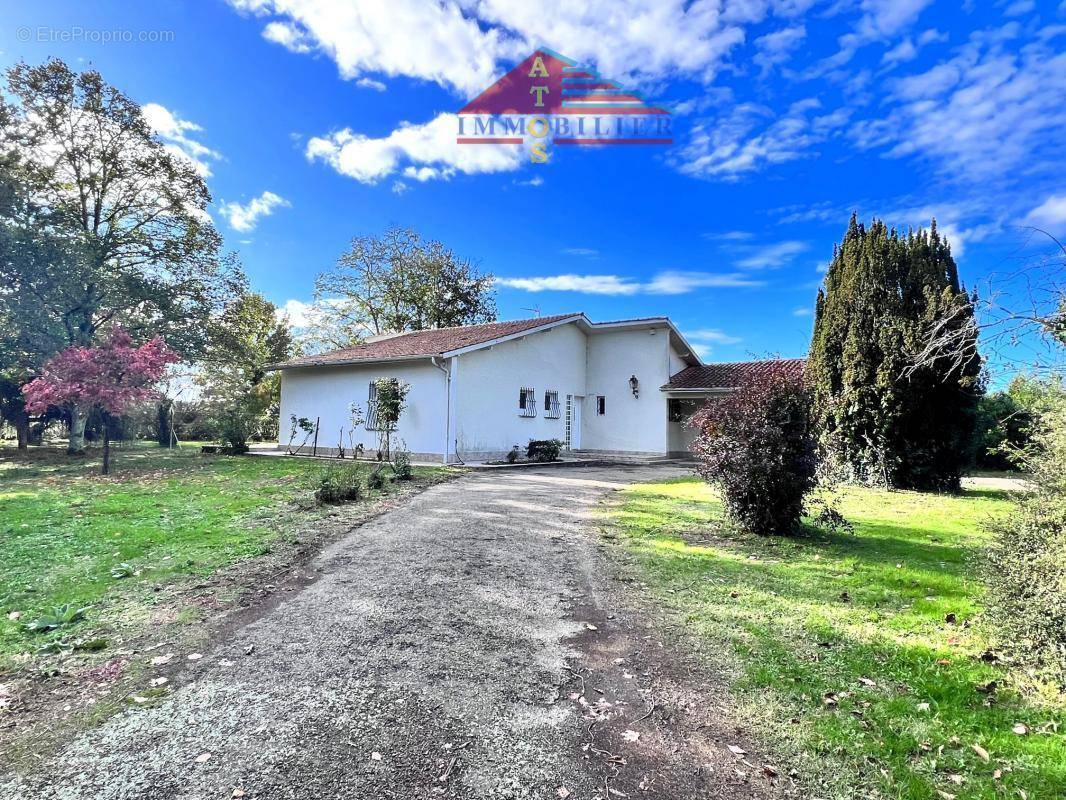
421, 343
726, 376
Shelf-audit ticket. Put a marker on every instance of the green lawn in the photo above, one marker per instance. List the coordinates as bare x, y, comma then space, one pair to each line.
839, 645
68, 535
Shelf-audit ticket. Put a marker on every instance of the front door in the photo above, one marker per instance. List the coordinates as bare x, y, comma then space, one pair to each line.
573, 421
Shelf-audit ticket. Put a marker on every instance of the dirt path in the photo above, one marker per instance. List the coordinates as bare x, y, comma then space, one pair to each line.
466, 644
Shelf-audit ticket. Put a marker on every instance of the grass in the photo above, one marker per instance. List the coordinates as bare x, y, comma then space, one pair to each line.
840, 647
70, 536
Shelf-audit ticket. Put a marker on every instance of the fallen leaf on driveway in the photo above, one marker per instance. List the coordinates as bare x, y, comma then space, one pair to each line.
737, 751
200, 759
981, 752
630, 736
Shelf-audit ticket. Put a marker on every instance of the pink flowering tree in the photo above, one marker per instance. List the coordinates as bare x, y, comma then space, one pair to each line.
109, 378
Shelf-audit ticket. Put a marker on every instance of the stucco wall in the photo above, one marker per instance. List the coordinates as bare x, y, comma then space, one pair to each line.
328, 393
631, 423
488, 381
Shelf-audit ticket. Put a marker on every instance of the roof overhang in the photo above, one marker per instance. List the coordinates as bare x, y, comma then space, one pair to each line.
353, 362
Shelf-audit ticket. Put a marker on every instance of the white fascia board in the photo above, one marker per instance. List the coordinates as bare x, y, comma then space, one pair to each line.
518, 335
352, 362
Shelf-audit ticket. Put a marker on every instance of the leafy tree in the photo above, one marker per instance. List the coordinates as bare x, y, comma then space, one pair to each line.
122, 217
886, 416
108, 378
244, 341
757, 444
400, 282
1002, 430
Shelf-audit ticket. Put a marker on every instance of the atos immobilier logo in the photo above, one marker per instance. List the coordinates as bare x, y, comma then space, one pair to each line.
549, 99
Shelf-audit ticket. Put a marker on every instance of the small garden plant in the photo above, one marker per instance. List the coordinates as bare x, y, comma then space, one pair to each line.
543, 450
338, 484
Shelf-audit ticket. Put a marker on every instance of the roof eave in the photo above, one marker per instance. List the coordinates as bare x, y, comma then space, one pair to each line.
352, 362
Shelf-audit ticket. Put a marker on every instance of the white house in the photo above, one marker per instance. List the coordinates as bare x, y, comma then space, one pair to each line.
477, 391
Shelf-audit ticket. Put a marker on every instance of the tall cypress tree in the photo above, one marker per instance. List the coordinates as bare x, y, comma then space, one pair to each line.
885, 419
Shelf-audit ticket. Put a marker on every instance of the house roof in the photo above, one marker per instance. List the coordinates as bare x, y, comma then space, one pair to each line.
717, 377
454, 341
423, 344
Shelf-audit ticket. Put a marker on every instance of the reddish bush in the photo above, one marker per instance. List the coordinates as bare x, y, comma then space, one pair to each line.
757, 445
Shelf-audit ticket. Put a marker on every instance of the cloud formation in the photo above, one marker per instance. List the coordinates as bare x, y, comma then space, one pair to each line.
245, 217
176, 134
668, 282
418, 152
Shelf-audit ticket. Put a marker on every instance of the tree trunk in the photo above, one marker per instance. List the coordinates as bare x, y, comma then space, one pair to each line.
22, 430
165, 420
106, 468
78, 418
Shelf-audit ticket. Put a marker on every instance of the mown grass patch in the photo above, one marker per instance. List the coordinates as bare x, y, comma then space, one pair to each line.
856, 655
70, 536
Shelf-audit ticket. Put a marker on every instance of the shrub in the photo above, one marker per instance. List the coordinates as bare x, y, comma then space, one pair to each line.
401, 465
543, 449
1002, 429
376, 479
338, 484
512, 455
757, 444
1026, 566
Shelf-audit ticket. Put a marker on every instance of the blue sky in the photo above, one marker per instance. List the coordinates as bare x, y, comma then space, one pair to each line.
317, 121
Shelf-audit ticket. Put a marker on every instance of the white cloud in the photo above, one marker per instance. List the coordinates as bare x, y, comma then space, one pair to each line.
298, 313
244, 218
420, 152
742, 140
668, 282
984, 112
587, 252
175, 134
1049, 214
681, 282
802, 312
772, 255
711, 336
465, 44
370, 83
288, 36
729, 236
585, 284
776, 48
536, 180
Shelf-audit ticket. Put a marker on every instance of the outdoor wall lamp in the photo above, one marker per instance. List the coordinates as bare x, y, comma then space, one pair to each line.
634, 384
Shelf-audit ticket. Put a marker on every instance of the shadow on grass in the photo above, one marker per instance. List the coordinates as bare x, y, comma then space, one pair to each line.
843, 642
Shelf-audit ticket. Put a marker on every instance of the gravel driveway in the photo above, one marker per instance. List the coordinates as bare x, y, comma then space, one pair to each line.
435, 653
